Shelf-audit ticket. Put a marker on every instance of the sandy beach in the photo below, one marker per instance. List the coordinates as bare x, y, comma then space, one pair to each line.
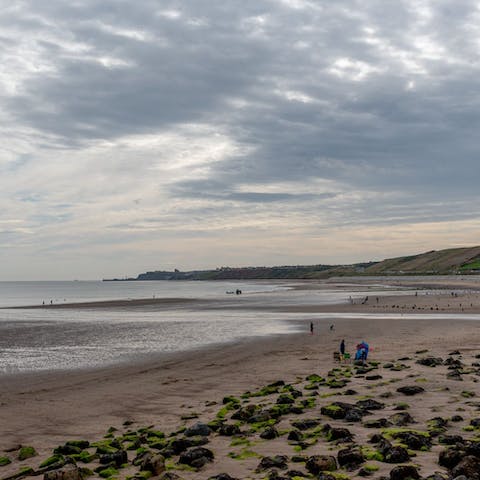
170, 393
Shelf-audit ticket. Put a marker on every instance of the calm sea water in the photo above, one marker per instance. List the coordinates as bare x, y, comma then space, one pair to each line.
56, 339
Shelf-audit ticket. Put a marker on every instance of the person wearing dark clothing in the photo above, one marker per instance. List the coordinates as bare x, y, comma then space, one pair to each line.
342, 347
311, 328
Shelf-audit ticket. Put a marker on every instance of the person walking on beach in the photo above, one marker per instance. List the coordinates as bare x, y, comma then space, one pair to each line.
311, 328
342, 348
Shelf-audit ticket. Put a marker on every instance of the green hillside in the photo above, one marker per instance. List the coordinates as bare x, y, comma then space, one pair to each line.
452, 261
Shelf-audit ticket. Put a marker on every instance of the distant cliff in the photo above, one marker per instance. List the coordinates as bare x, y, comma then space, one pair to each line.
452, 261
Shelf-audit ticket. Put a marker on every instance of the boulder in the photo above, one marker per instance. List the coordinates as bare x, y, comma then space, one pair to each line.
450, 457
401, 419
117, 458
199, 429
306, 424
295, 436
269, 433
410, 390
468, 466
321, 463
154, 464
196, 457
68, 472
350, 458
339, 434
370, 404
404, 472
278, 461
430, 361
221, 476
227, 430
378, 423
396, 454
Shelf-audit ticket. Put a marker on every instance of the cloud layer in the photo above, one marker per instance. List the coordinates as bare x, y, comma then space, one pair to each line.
143, 135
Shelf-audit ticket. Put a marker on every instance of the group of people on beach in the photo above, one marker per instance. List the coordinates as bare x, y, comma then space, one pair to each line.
362, 348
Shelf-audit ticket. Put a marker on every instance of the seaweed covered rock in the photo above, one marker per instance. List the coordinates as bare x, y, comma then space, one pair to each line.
350, 458
321, 463
277, 461
468, 466
118, 458
229, 430
269, 433
196, 457
221, 476
401, 419
404, 472
450, 457
338, 434
396, 454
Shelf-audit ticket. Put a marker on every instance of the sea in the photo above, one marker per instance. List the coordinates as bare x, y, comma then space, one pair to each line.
49, 339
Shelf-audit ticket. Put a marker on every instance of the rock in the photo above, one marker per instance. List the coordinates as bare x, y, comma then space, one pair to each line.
154, 463
350, 392
269, 433
430, 361
410, 390
245, 413
457, 418
306, 424
438, 476
370, 404
285, 399
68, 472
401, 419
326, 476
378, 423
354, 415
350, 458
227, 430
169, 476
261, 416
295, 436
373, 377
199, 429
453, 363
450, 457
455, 375
450, 439
179, 445
396, 454
67, 450
118, 458
221, 476
339, 434
321, 463
278, 461
415, 441
296, 473
196, 457
475, 422
26, 452
388, 365
468, 466
403, 472
455, 352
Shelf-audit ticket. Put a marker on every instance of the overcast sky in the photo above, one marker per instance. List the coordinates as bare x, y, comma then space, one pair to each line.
143, 135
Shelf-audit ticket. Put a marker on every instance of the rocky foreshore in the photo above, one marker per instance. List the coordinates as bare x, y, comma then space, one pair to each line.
410, 417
